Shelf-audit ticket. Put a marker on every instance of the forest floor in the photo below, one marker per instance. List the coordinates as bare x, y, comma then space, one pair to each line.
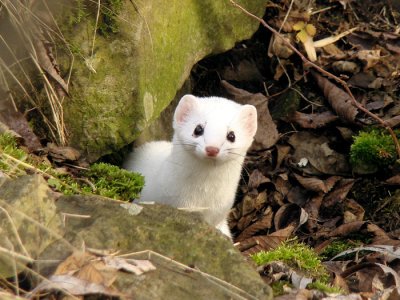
330, 172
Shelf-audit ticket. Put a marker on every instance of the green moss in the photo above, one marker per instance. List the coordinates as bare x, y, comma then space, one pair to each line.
301, 257
78, 13
372, 150
338, 246
324, 287
109, 13
9, 147
296, 255
278, 287
114, 182
100, 179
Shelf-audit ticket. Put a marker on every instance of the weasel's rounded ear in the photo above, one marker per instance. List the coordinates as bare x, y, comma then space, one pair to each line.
248, 115
184, 108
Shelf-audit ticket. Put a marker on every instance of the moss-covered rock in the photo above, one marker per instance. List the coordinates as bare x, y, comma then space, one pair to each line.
180, 235
28, 222
119, 86
40, 229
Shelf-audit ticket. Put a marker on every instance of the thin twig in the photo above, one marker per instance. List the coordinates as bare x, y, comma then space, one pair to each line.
326, 73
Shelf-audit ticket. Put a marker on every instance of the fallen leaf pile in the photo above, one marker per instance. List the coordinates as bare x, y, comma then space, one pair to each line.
84, 273
303, 184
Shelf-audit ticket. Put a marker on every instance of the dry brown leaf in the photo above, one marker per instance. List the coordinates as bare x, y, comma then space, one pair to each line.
245, 221
322, 159
248, 204
290, 214
344, 66
71, 285
395, 180
362, 80
256, 179
260, 200
369, 57
59, 153
17, 122
94, 272
49, 65
311, 183
87, 267
353, 211
136, 266
339, 193
267, 134
340, 282
283, 151
373, 276
312, 121
393, 122
345, 229
278, 47
282, 184
266, 242
312, 208
265, 222
337, 98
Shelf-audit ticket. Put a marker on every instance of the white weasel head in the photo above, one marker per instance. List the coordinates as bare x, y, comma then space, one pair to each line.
214, 128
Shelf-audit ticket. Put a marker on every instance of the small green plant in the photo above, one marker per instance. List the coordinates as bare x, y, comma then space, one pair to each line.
338, 246
295, 255
114, 182
109, 13
278, 287
372, 150
301, 257
100, 179
78, 13
324, 287
11, 155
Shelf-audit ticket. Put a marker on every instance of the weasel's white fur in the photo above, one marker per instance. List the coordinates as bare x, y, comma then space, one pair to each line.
184, 173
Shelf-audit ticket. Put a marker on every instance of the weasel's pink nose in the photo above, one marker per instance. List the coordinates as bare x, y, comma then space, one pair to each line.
212, 151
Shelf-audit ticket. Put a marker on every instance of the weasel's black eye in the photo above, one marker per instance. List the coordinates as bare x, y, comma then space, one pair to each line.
199, 130
231, 136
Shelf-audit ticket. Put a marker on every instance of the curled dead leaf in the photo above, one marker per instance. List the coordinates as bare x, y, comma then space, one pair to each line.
278, 47
290, 214
266, 242
315, 184
262, 224
312, 208
312, 121
340, 192
337, 98
60, 153
15, 123
353, 211
345, 229
47, 61
256, 179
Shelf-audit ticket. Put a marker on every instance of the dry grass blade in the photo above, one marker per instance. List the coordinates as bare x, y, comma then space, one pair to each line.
312, 121
29, 26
